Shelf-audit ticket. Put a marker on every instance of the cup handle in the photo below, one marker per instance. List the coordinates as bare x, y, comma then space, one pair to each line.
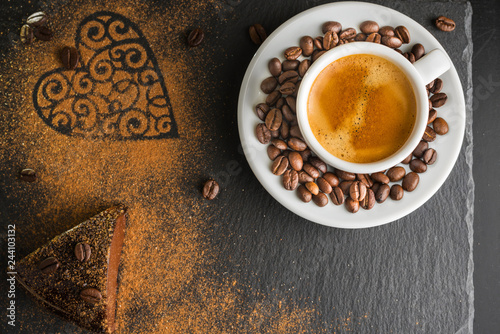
432, 65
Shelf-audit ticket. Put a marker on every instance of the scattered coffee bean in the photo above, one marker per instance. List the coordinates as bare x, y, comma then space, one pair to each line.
272, 98
318, 43
382, 193
261, 110
418, 166
345, 186
297, 144
324, 185
284, 130
280, 103
440, 126
311, 170
374, 38
365, 179
432, 116
391, 41
369, 27
70, 57
279, 144
386, 31
83, 251
437, 85
330, 40
304, 194
290, 179
91, 295
438, 100
275, 133
368, 201
304, 66
295, 160
306, 43
345, 175
263, 133
348, 33
410, 56
210, 189
351, 205
360, 37
331, 26
257, 33
380, 177
396, 173
430, 104
287, 112
27, 175
410, 181
297, 86
306, 154
274, 119
418, 50
318, 163
429, 134
274, 66
397, 192
49, 265
407, 160
288, 88
291, 102
26, 34
331, 178
445, 24
37, 19
320, 199
295, 131
280, 165
337, 196
316, 55
312, 187
357, 191
286, 76
419, 150
273, 152
430, 156
403, 34
304, 177
293, 52
43, 33
195, 37
268, 85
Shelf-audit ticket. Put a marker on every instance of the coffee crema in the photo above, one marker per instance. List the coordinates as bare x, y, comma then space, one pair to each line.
362, 108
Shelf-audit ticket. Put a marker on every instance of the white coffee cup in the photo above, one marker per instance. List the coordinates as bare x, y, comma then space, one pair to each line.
419, 74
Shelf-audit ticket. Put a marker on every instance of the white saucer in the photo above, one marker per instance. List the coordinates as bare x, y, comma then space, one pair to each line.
349, 14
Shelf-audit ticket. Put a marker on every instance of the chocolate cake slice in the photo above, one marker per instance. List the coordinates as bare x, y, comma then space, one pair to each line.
75, 274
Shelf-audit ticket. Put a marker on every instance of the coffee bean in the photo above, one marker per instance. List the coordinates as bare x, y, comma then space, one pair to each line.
368, 201
43, 33
318, 163
391, 41
304, 194
418, 166
287, 112
380, 177
337, 196
274, 67
407, 160
37, 19
287, 76
399, 51
357, 191
278, 143
261, 110
382, 193
386, 31
419, 150
396, 173
274, 119
445, 24
306, 154
345, 186
257, 33
306, 43
418, 50
352, 205
290, 179
70, 57
273, 152
263, 133
440, 126
296, 161
297, 144
374, 38
324, 185
345, 175
432, 116
280, 103
403, 34
410, 181
369, 27
320, 199
429, 134
330, 40
291, 102
331, 26
410, 56
26, 34
49, 265
430, 156
397, 192
290, 65
91, 295
284, 130
311, 170
437, 86
280, 165
275, 133
360, 37
348, 33
375, 187
316, 55
27, 175
318, 44
331, 178
293, 52
82, 251
304, 177
210, 189
195, 37
304, 66
272, 98
312, 187
295, 131
438, 100
365, 179
268, 85
288, 88
297, 87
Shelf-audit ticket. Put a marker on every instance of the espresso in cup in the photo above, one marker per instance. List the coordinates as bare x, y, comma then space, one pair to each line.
361, 108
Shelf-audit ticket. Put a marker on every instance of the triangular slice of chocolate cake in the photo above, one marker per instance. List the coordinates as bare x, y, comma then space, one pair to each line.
75, 274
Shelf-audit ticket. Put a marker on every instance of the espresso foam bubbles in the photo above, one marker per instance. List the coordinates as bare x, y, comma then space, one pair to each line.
362, 108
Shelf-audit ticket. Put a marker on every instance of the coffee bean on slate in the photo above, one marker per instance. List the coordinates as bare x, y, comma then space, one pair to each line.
407, 160
316, 55
280, 165
410, 181
311, 170
369, 201
285, 130
432, 116
304, 66
293, 52
290, 65
306, 43
418, 50
195, 37
380, 177
272, 98
274, 66
331, 178
345, 186
286, 76
436, 86
365, 179
83, 251
306, 154
274, 119
288, 88
210, 189
37, 19
391, 41
278, 143
345, 175
304, 194
318, 163
70, 57
440, 126
430, 156
438, 100
418, 166
337, 196
360, 37
397, 192
369, 27
273, 152
320, 199
49, 265
261, 110
429, 134
357, 191
324, 185
91, 295
290, 179
374, 38
26, 34
382, 193
312, 187
257, 33
291, 102
419, 150
396, 173
263, 133
445, 24
27, 175
351, 205
403, 34
331, 26
304, 177
43, 33
330, 40
348, 33
296, 161
297, 144
268, 85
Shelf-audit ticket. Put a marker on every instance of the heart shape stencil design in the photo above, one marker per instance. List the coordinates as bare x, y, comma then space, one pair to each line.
117, 91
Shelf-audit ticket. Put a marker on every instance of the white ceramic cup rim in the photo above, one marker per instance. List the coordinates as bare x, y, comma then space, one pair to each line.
416, 82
